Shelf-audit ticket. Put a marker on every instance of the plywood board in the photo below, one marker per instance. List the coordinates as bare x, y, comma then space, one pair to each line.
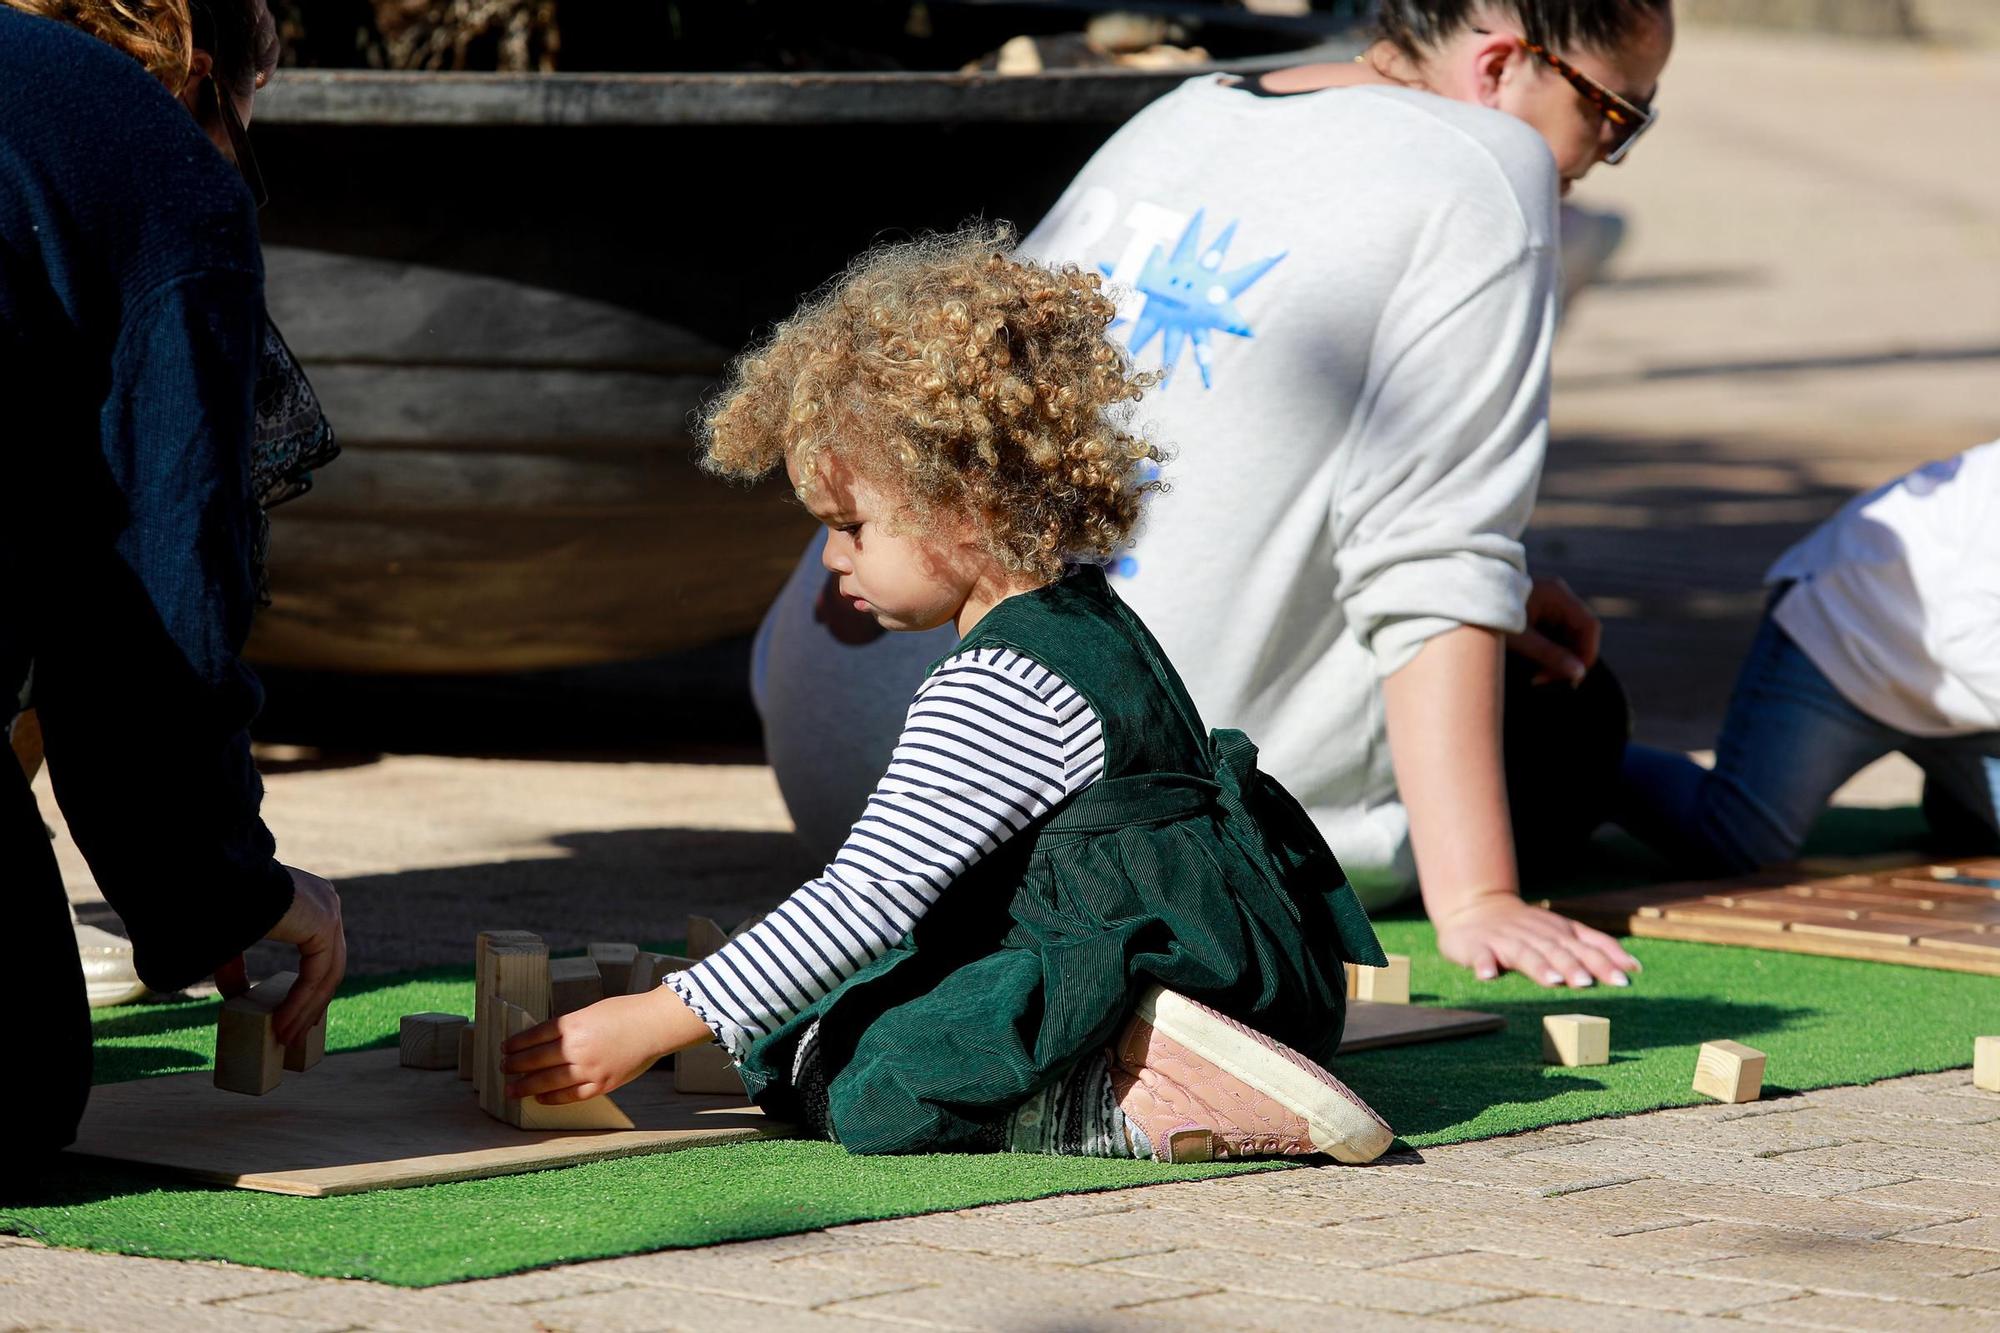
363, 1122
1940, 916
1371, 1025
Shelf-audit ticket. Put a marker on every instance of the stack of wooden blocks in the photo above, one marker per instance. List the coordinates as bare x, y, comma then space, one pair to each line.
248, 1058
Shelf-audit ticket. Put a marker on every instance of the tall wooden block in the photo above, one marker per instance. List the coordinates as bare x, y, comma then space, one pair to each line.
650, 969
468, 1050
482, 984
1986, 1063
1729, 1071
1576, 1039
706, 1068
248, 1058
1384, 985
574, 983
517, 972
1353, 980
614, 964
704, 937
527, 1113
430, 1041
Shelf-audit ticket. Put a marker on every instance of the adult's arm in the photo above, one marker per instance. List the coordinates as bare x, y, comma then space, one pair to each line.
143, 610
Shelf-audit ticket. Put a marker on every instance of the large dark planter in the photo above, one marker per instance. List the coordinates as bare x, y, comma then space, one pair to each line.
513, 293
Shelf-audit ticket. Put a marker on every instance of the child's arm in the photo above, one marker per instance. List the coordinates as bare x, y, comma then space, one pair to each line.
1444, 735
601, 1047
992, 742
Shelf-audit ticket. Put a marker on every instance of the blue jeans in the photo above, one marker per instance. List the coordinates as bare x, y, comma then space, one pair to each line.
1788, 742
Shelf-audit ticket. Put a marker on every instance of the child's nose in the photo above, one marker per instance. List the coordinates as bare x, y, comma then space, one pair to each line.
834, 557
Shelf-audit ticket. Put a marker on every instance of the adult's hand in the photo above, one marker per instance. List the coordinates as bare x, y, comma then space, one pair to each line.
314, 925
1498, 933
1562, 636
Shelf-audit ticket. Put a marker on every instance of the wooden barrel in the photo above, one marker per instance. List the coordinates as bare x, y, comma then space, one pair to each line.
512, 294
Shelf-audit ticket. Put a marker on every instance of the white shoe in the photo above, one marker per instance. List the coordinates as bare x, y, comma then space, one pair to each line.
108, 975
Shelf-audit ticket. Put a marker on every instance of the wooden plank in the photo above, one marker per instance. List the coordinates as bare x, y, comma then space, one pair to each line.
1864, 931
1371, 1026
1980, 944
363, 1122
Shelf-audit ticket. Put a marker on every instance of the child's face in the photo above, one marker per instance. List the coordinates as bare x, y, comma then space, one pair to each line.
906, 580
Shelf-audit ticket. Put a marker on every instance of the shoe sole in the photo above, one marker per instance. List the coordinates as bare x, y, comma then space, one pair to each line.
1341, 1124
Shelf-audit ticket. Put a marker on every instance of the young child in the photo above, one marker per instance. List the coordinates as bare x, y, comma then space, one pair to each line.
1883, 634
1069, 920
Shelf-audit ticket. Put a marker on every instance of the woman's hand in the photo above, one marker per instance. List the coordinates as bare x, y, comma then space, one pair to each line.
600, 1047
1562, 635
1498, 933
313, 924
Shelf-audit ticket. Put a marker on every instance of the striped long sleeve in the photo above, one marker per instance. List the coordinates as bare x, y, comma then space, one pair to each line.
993, 741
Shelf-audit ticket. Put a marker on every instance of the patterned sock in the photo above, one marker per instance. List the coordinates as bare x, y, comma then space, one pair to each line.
806, 1102
1077, 1116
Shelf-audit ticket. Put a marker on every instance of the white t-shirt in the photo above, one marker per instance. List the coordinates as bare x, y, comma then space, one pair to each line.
1897, 598
1351, 293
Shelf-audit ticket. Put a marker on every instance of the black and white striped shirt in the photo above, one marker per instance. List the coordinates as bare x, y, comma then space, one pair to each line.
992, 742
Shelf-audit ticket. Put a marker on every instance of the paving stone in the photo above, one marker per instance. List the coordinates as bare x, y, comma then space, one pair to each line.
995, 1279
1857, 1126
1975, 1233
1590, 1282
1235, 1310
1930, 1163
1153, 1230
546, 1284
164, 1281
1927, 1099
1885, 1276
1554, 1314
1646, 1201
1876, 1255
1293, 1280
1539, 1170
744, 1271
1672, 1246
1871, 1316
1791, 1131
1778, 1175
1959, 1198
100, 1309
658, 1310
362, 1304
1080, 1241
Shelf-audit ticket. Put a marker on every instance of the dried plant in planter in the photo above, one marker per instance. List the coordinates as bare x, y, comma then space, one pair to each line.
514, 36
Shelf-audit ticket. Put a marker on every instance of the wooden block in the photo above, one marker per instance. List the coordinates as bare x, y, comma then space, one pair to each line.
1986, 1063
527, 1113
1729, 1071
1576, 1039
1353, 981
614, 964
1385, 985
516, 971
248, 1058
650, 969
468, 1050
308, 1050
430, 1041
482, 985
704, 937
706, 1068
574, 983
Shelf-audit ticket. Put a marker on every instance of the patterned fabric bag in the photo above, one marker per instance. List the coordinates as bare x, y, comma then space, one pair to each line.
290, 440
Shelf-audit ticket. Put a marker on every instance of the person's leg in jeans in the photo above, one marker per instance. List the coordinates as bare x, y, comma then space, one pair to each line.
1788, 742
1961, 790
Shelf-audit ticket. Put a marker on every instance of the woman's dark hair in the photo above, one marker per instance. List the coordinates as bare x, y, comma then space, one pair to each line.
240, 37
1416, 27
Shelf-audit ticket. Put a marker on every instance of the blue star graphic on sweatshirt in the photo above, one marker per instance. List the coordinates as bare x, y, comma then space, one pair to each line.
1189, 297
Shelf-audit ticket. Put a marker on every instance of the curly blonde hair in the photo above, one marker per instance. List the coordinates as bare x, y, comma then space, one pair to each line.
159, 34
983, 386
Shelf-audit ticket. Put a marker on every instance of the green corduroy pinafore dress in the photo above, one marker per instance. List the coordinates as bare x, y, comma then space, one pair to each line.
1182, 865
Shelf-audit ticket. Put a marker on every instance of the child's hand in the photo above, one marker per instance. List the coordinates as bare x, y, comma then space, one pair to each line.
1500, 932
604, 1046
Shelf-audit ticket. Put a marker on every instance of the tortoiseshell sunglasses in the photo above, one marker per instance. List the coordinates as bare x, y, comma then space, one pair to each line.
1628, 119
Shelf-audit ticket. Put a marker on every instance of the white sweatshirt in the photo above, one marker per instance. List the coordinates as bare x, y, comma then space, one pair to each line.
1352, 295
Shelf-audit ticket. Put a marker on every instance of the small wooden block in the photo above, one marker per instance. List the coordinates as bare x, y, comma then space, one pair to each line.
430, 1041
706, 1069
574, 983
468, 1051
1986, 1063
1576, 1039
1384, 985
614, 965
1729, 1071
527, 1113
704, 937
308, 1050
650, 969
248, 1058
1353, 981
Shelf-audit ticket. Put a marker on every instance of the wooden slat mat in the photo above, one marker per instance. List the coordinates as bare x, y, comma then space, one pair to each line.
1932, 915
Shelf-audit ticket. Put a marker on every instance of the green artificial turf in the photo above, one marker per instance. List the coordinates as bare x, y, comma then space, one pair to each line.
1822, 1022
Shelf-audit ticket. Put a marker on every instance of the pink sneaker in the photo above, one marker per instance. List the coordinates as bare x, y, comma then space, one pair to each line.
1204, 1087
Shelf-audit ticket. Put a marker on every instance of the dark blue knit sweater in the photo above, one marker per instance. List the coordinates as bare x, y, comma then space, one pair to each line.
131, 300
